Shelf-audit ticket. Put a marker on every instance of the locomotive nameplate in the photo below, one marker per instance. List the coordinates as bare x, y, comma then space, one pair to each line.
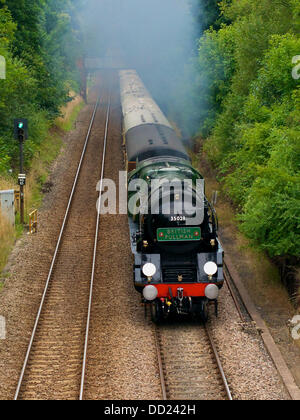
179, 234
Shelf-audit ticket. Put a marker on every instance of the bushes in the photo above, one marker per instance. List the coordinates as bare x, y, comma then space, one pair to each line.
255, 134
40, 48
215, 67
271, 215
7, 237
17, 98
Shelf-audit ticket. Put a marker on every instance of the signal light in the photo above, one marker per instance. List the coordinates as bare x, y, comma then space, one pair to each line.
21, 129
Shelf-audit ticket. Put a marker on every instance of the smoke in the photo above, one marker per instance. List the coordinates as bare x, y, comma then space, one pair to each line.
155, 37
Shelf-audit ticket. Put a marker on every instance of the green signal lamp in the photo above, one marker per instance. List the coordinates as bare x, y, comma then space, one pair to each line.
21, 129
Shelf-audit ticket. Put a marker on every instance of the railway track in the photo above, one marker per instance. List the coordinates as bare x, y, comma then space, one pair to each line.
249, 314
236, 297
57, 365
55, 361
189, 364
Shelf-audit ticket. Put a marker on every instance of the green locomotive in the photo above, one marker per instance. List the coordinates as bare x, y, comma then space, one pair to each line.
178, 265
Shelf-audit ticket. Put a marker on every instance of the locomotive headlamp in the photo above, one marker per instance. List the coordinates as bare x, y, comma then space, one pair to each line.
212, 292
149, 270
150, 293
210, 268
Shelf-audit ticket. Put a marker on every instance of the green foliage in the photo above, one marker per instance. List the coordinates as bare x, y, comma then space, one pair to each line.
215, 69
271, 215
7, 28
252, 116
40, 46
206, 14
69, 125
46, 43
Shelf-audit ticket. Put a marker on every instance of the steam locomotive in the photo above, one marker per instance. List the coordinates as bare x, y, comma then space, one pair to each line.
178, 260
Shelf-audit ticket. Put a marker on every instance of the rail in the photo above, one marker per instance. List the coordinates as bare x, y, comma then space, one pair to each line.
21, 377
94, 256
219, 363
163, 367
246, 304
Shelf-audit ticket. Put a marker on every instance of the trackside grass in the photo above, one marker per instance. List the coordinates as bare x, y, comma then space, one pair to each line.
7, 238
36, 178
70, 114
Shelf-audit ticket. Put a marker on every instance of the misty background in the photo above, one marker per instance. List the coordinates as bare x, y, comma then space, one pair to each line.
157, 38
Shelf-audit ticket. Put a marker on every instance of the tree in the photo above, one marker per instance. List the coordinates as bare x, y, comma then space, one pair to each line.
47, 44
252, 117
40, 44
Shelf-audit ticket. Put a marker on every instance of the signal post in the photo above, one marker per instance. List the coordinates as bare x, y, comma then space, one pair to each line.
21, 134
